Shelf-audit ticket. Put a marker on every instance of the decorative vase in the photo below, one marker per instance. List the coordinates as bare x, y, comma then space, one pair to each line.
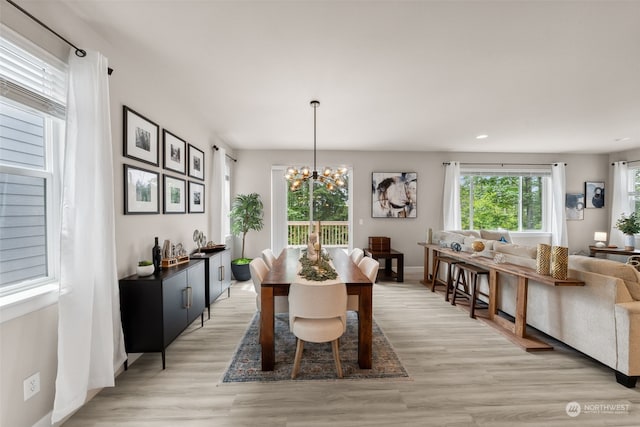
559, 262
543, 259
629, 242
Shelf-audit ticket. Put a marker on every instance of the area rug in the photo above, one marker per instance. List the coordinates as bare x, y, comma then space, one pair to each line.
317, 359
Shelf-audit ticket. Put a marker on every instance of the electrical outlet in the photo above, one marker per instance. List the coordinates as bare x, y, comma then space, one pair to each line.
31, 386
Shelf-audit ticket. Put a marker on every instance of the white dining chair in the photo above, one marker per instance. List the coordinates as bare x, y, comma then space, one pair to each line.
369, 268
356, 255
317, 313
268, 257
259, 270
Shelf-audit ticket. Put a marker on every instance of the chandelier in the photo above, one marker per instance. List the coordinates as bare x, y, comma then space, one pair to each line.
329, 177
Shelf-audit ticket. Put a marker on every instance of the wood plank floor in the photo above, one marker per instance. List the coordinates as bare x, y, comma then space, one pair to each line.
463, 373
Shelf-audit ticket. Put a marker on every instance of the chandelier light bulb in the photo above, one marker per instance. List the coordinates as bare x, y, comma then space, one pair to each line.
329, 177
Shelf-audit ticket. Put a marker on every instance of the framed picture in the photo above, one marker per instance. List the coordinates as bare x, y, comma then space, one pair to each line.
175, 195
196, 163
141, 191
140, 137
594, 191
394, 195
196, 197
574, 206
175, 152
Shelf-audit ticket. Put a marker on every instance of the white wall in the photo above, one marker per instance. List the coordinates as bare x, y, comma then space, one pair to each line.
405, 233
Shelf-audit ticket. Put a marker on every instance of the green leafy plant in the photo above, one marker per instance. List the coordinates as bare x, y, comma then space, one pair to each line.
246, 214
144, 263
629, 224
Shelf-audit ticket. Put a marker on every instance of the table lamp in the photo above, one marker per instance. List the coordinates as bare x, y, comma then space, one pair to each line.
600, 237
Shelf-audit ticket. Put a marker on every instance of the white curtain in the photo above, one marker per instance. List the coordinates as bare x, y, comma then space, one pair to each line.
620, 201
558, 213
451, 197
90, 341
218, 194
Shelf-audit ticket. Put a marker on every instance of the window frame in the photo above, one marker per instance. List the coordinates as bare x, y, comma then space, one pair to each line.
20, 298
545, 174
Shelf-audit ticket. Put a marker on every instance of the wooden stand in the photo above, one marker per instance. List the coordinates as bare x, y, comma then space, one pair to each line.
172, 262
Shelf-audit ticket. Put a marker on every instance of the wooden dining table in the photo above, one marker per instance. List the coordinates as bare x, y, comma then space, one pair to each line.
285, 271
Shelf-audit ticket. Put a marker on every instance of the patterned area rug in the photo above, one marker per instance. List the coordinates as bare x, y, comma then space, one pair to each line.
317, 359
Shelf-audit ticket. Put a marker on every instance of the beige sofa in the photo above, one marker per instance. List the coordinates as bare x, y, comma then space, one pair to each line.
600, 319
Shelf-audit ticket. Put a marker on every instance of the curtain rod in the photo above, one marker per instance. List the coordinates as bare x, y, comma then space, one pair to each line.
502, 164
215, 147
79, 52
627, 161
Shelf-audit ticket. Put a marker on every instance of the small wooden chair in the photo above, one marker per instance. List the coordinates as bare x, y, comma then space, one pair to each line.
461, 279
451, 263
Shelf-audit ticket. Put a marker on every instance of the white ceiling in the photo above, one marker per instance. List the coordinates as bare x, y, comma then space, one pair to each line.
536, 76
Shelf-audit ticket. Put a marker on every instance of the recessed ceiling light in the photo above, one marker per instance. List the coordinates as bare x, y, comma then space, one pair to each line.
482, 136
626, 138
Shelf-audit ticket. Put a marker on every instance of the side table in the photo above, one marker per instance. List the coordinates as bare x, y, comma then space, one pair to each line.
388, 257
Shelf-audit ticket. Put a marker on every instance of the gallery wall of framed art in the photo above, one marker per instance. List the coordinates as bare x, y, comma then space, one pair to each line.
145, 190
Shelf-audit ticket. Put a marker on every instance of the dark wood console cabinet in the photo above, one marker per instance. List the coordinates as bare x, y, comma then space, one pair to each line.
157, 308
217, 275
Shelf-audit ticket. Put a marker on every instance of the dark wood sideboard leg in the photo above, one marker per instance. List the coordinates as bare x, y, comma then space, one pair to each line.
163, 359
625, 380
126, 364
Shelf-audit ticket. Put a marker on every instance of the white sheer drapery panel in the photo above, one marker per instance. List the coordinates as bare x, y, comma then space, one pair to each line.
90, 340
451, 216
217, 196
558, 213
620, 201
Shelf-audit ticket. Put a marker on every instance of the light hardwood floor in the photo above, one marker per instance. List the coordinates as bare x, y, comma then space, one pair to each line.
463, 373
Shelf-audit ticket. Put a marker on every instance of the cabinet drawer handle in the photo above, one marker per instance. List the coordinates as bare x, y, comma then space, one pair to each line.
189, 296
221, 272
185, 298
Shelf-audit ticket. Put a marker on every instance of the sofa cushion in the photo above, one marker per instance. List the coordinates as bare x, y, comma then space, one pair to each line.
608, 267
447, 236
517, 250
499, 235
470, 233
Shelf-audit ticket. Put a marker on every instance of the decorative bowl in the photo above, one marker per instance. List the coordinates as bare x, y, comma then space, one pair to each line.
145, 270
477, 246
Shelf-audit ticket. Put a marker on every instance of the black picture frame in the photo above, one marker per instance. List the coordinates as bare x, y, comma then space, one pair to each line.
141, 191
574, 206
175, 195
594, 194
196, 197
175, 152
394, 195
140, 137
196, 163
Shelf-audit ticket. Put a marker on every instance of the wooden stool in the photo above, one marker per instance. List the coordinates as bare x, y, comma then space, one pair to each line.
472, 294
451, 262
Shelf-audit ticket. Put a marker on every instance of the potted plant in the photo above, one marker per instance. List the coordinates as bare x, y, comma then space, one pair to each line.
629, 225
246, 215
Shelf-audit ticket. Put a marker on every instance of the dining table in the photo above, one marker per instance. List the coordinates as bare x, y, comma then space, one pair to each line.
285, 270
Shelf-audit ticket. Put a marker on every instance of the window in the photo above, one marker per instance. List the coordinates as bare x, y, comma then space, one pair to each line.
32, 109
634, 187
514, 201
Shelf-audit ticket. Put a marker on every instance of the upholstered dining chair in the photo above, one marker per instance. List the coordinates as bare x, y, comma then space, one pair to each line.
259, 270
317, 313
369, 268
268, 257
356, 255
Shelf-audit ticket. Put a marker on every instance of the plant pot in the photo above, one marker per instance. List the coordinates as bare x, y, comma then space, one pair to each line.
241, 272
629, 242
145, 270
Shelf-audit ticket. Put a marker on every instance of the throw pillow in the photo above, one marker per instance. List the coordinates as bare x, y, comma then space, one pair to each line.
501, 235
517, 250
